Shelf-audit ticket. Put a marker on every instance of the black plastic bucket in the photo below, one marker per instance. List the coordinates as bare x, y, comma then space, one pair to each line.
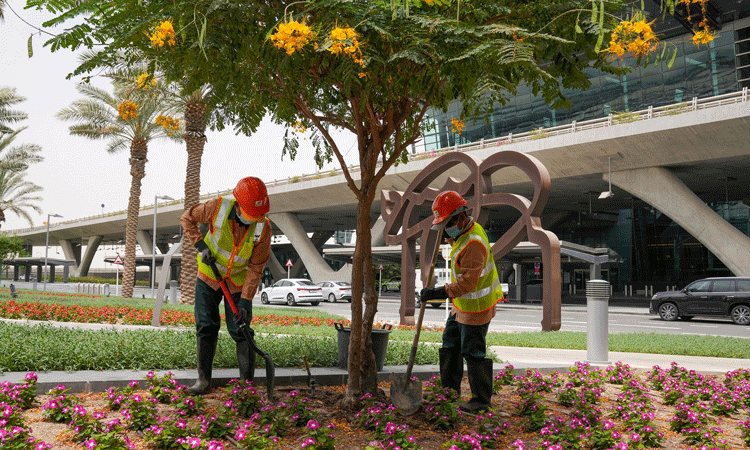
379, 344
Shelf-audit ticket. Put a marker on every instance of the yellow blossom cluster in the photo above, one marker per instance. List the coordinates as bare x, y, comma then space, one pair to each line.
164, 33
457, 125
345, 41
143, 80
299, 127
128, 110
292, 36
703, 36
635, 37
168, 123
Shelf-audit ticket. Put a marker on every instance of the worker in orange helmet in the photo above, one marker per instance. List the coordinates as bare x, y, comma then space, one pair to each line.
474, 290
239, 242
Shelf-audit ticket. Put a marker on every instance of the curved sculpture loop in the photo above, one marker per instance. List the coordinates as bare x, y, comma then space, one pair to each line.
407, 216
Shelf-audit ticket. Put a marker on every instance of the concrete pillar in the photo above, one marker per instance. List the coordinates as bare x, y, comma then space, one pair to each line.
70, 251
91, 246
378, 232
51, 274
663, 190
144, 240
316, 266
595, 271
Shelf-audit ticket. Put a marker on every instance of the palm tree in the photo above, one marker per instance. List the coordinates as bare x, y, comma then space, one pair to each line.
127, 119
8, 98
195, 140
17, 195
17, 158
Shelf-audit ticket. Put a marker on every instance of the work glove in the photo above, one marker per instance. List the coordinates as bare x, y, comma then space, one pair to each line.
243, 315
433, 294
205, 252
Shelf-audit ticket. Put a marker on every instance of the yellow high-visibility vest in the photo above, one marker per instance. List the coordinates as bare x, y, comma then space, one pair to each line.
220, 240
488, 291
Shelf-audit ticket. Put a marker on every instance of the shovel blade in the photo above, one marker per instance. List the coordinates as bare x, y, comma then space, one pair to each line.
406, 395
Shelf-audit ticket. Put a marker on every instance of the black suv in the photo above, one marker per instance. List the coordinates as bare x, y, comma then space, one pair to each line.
726, 296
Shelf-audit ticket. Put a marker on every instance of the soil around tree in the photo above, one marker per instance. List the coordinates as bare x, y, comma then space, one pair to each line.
349, 436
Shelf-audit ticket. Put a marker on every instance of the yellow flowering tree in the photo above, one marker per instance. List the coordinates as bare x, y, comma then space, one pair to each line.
371, 67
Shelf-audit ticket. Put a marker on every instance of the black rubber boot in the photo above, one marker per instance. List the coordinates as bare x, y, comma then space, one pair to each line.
206, 351
451, 369
480, 380
246, 361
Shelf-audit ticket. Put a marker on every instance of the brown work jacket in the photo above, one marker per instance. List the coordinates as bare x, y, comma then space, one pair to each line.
204, 213
471, 261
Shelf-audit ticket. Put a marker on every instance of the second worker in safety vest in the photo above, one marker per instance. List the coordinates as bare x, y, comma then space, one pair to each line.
474, 290
239, 240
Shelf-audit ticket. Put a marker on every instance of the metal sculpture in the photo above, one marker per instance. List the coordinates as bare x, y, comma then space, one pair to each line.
401, 212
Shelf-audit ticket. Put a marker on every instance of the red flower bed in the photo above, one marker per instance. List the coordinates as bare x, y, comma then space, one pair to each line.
127, 315
91, 314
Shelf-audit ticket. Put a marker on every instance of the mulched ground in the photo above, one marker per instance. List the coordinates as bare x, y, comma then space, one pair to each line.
349, 436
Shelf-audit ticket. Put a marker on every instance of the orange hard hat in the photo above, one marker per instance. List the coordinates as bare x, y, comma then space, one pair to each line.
446, 205
252, 196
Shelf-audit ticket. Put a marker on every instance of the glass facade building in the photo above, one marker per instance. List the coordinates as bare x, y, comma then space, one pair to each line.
720, 67
653, 250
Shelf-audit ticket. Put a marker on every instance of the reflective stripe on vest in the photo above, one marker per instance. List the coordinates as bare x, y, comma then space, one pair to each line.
488, 291
220, 240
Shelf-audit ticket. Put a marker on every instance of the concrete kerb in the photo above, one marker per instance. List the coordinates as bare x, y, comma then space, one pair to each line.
89, 381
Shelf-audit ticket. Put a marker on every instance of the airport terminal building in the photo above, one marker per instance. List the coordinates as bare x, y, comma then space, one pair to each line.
651, 248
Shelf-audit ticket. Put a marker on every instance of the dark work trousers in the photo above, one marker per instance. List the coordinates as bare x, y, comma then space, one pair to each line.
207, 319
469, 340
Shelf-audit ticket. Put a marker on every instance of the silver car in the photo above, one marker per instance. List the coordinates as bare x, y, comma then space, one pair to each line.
292, 291
334, 291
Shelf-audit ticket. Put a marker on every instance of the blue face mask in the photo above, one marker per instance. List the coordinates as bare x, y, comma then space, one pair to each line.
453, 231
242, 220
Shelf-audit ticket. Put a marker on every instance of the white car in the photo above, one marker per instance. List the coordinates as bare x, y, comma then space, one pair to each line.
334, 291
292, 291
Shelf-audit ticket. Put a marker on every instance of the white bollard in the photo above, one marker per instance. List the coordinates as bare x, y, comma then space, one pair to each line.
598, 293
173, 291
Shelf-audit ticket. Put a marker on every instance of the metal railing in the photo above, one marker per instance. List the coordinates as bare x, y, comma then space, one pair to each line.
539, 133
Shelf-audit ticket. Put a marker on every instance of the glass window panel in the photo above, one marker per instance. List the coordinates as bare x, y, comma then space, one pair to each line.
743, 60
723, 286
743, 73
743, 285
721, 39
699, 286
742, 47
743, 33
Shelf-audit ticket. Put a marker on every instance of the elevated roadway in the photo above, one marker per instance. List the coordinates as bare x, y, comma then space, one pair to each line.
675, 158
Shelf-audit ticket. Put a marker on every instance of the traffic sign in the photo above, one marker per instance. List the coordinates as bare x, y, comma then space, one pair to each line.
380, 267
118, 260
289, 262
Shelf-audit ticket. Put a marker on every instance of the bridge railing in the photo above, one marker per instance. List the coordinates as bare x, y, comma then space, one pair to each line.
616, 118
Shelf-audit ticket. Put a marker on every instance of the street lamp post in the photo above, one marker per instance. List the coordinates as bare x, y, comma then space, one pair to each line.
153, 249
46, 248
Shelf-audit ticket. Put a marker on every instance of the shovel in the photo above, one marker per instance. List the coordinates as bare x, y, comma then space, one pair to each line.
247, 331
406, 394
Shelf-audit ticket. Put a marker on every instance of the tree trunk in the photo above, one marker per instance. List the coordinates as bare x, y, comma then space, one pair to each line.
362, 367
138, 152
195, 140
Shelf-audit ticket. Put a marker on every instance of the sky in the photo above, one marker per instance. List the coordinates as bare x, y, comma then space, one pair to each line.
78, 176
